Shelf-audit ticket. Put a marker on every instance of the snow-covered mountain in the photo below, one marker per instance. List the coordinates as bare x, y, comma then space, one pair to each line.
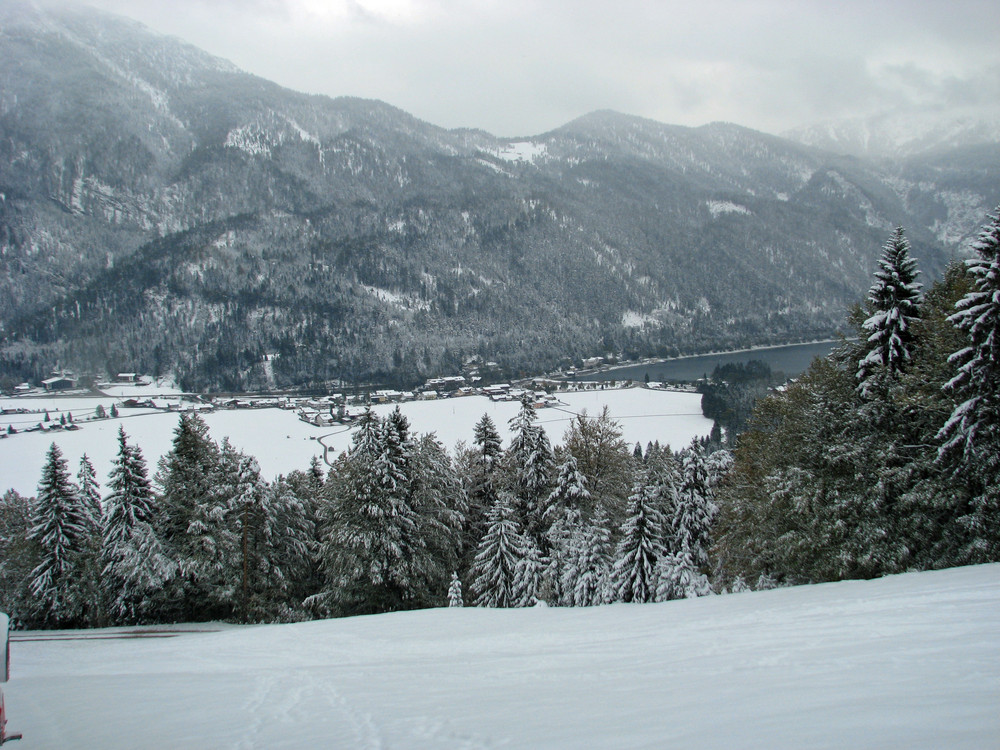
902, 134
161, 210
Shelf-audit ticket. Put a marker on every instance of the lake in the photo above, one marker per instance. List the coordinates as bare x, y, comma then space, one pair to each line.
792, 360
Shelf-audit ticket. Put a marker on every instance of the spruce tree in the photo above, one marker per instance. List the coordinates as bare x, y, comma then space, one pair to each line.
455, 591
692, 510
440, 504
487, 440
286, 568
18, 556
373, 555
482, 479
240, 559
136, 567
894, 305
587, 579
90, 497
563, 517
498, 576
639, 549
90, 493
971, 435
191, 513
530, 461
61, 525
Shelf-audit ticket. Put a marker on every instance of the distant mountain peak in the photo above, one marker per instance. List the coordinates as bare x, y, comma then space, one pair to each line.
900, 134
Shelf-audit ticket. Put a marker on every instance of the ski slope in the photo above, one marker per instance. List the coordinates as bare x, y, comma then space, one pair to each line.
909, 661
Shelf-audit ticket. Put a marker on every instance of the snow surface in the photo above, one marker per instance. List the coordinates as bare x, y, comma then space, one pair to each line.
521, 151
726, 207
907, 661
282, 443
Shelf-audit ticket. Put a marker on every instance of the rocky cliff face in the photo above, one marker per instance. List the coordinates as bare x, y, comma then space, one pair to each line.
162, 211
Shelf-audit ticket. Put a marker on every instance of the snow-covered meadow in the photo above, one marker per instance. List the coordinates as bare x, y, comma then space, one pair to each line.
909, 661
283, 443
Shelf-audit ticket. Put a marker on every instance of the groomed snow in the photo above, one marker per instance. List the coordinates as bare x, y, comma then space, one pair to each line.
282, 443
907, 661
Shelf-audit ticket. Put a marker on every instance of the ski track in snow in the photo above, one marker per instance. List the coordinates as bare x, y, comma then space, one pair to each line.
281, 701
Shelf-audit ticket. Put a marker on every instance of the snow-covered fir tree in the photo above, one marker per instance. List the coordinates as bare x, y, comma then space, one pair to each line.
136, 567
531, 463
90, 497
373, 555
563, 517
971, 435
190, 516
90, 494
62, 527
487, 440
481, 478
497, 571
286, 566
440, 504
640, 548
693, 509
587, 576
241, 543
530, 570
679, 578
18, 556
455, 591
894, 306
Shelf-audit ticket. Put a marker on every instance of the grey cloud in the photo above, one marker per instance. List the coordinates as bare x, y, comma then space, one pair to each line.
523, 66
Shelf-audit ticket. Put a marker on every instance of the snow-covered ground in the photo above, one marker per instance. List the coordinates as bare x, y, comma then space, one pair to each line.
282, 443
910, 661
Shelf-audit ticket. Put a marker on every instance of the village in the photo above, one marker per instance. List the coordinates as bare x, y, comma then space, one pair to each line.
136, 395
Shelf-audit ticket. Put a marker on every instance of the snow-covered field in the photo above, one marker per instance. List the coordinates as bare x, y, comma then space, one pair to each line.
282, 443
910, 661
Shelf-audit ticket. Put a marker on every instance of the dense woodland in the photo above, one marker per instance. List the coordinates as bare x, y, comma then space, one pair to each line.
882, 458
396, 523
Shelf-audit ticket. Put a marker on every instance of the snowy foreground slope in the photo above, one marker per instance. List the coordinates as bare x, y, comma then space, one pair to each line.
910, 661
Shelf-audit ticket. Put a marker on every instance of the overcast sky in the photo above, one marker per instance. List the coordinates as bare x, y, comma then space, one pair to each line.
522, 67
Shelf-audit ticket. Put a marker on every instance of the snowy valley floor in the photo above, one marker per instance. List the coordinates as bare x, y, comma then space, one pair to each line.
910, 661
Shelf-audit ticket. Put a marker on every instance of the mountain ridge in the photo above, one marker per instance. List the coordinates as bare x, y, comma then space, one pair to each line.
357, 242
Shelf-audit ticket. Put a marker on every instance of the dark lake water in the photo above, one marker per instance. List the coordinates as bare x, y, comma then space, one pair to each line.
792, 360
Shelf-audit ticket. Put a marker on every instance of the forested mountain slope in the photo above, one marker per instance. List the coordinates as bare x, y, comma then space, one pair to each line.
161, 211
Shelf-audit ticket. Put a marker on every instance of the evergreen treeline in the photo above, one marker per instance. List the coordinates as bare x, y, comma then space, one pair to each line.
396, 523
883, 457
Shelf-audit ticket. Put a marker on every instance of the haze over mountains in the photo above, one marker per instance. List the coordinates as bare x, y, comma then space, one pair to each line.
162, 211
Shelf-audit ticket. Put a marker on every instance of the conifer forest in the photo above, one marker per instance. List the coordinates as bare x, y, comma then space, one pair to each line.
883, 457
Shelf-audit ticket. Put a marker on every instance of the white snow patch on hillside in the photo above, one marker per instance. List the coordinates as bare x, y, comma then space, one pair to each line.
395, 299
717, 208
906, 661
258, 138
632, 319
492, 166
521, 151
